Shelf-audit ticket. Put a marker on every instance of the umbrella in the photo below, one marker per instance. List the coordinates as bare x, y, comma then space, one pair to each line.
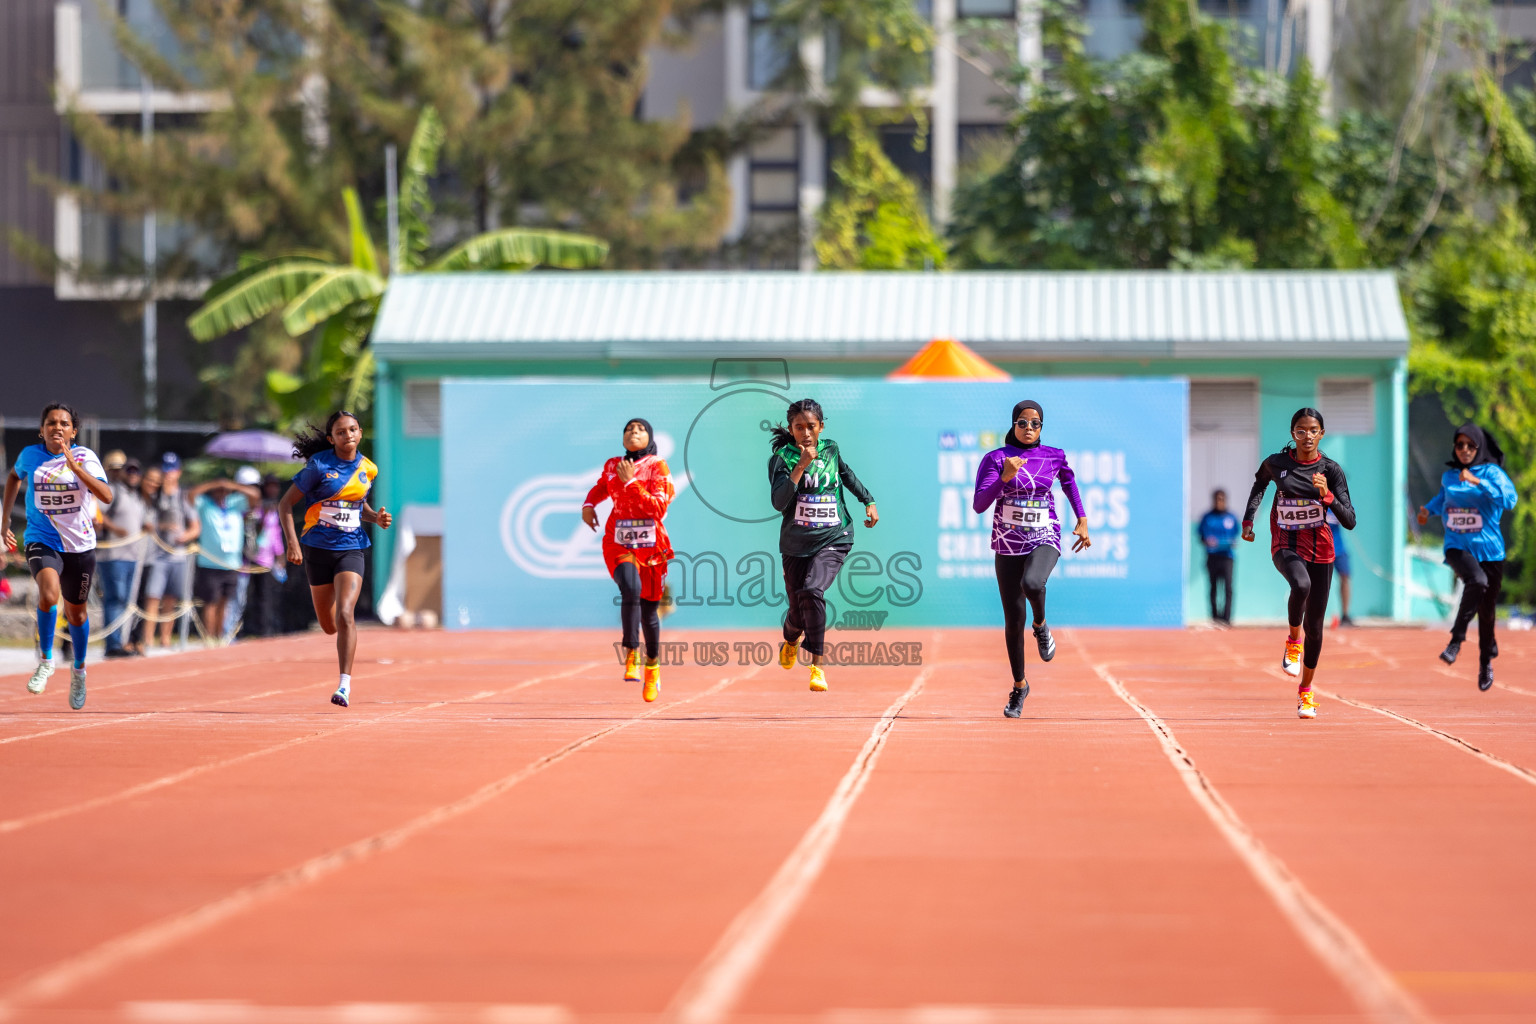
945, 357
252, 446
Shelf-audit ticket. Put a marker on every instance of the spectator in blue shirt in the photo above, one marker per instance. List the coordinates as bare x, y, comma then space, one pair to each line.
1218, 531
220, 506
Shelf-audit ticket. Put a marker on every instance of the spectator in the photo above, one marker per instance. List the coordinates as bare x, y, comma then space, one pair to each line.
1340, 567
1218, 531
149, 492
121, 547
176, 526
234, 612
220, 506
265, 550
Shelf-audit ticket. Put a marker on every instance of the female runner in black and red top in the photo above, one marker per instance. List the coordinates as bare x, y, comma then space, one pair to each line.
1308, 485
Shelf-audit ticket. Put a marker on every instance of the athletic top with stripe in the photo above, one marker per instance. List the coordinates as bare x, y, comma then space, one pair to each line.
1472, 511
61, 513
1029, 492
334, 492
635, 530
814, 514
1297, 515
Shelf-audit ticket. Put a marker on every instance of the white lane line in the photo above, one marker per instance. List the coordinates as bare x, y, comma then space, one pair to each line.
234, 1011
1523, 774
16, 824
710, 994
1051, 1015
120, 719
53, 982
1372, 986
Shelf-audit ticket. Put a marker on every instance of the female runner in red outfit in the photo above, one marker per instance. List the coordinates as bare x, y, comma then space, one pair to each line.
635, 544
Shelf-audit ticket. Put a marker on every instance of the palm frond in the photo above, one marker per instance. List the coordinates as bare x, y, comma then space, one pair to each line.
415, 194
339, 288
363, 255
250, 264
253, 296
521, 248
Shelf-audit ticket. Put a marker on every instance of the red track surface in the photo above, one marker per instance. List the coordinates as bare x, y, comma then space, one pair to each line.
498, 829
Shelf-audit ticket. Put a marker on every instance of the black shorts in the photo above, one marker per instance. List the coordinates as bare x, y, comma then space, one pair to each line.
322, 564
214, 585
75, 569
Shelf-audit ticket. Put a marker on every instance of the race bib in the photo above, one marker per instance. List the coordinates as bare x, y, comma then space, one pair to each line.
816, 510
1022, 513
635, 533
57, 499
1463, 520
341, 515
1298, 513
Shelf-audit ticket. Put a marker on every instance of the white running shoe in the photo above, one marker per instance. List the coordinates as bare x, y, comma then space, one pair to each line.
77, 688
1290, 661
39, 681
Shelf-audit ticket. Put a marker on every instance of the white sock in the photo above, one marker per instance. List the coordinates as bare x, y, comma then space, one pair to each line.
346, 683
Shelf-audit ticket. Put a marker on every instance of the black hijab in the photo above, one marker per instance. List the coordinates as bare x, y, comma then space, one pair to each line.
1488, 449
650, 436
1010, 438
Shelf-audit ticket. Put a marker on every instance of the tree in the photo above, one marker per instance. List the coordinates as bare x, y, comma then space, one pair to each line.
336, 302
1179, 155
875, 219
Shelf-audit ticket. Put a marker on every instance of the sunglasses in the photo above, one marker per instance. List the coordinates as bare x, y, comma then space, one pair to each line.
1029, 424
1466, 446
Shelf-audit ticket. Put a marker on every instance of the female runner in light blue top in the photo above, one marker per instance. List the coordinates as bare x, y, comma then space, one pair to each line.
1474, 493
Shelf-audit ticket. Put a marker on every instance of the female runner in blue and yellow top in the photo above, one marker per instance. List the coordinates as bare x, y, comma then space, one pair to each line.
333, 490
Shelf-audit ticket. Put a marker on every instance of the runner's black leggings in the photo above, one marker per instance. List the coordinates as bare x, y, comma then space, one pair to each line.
806, 580
1021, 579
1310, 582
636, 613
1482, 583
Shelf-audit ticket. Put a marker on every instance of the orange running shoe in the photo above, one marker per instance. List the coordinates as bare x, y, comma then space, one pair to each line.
1290, 661
632, 667
1306, 705
652, 682
818, 679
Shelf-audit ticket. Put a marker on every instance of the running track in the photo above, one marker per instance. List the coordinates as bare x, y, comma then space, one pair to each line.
499, 830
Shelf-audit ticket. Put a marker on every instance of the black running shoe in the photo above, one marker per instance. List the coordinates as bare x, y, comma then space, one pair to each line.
1451, 650
1045, 642
1484, 676
1016, 697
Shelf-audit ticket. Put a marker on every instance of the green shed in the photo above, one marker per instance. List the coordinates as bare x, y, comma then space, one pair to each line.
1254, 347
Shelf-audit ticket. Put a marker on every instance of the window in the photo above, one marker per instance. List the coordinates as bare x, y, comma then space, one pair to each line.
769, 45
1223, 441
774, 172
984, 8
1348, 405
423, 408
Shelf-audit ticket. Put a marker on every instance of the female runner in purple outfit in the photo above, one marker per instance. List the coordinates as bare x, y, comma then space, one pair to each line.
1015, 481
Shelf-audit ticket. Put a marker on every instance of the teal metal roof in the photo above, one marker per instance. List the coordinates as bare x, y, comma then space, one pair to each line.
1002, 315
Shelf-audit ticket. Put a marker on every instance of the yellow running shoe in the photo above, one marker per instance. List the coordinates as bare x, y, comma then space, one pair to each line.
788, 652
1306, 705
632, 667
652, 682
818, 679
1290, 661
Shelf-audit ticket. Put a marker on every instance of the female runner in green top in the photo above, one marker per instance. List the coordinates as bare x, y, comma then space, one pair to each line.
807, 475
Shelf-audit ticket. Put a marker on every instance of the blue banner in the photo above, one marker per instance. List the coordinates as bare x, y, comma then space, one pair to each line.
519, 456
